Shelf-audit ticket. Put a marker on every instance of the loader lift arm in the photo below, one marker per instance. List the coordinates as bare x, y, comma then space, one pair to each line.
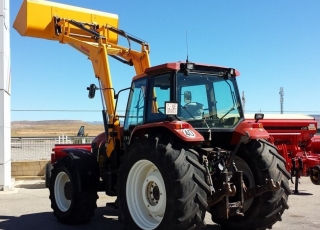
96, 40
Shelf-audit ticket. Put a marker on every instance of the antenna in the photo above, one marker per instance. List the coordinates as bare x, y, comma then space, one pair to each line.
243, 102
281, 99
187, 47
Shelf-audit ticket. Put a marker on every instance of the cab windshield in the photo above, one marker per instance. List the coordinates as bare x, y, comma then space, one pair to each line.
208, 101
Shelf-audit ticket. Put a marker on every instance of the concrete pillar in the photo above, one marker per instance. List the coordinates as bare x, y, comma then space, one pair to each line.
5, 88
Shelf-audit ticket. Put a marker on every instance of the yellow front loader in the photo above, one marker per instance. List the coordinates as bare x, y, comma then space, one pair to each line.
93, 33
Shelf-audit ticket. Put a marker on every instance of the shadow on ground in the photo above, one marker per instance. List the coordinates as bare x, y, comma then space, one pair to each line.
301, 193
103, 219
39, 185
212, 227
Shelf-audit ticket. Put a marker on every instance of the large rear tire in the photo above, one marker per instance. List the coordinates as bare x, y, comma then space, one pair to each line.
259, 161
160, 189
69, 205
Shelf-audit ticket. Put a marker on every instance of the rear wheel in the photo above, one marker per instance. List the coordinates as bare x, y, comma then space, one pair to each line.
160, 189
69, 205
260, 160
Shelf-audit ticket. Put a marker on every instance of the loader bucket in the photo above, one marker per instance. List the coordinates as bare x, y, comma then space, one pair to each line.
35, 19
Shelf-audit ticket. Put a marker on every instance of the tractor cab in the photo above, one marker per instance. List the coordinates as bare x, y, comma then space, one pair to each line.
205, 96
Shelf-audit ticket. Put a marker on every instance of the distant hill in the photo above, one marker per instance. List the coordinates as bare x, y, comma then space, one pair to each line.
95, 122
317, 117
46, 122
54, 128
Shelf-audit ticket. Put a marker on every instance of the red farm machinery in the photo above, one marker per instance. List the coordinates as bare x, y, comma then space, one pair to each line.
297, 142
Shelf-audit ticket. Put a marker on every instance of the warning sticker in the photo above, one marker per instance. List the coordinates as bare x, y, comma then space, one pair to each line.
189, 133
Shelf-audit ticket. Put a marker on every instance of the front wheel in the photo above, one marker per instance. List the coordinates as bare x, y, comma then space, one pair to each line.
160, 189
146, 194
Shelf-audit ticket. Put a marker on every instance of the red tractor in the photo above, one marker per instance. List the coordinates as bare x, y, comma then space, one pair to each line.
294, 136
184, 149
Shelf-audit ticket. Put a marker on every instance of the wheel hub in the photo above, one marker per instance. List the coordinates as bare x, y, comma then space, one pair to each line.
68, 190
152, 193
152, 189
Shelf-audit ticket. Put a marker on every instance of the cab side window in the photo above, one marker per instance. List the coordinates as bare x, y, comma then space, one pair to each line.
136, 104
159, 93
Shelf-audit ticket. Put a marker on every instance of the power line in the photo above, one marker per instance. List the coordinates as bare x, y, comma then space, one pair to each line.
57, 110
277, 111
89, 111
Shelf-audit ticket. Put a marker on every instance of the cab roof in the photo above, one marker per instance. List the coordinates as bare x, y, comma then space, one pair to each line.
167, 67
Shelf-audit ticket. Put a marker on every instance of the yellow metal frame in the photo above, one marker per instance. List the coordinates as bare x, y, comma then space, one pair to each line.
49, 20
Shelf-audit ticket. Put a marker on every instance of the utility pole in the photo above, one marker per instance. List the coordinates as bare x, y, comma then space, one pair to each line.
243, 102
281, 99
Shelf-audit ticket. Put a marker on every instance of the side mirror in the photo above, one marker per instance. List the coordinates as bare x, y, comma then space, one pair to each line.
187, 97
92, 90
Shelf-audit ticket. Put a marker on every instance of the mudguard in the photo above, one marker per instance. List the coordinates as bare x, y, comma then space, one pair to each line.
255, 131
183, 130
86, 167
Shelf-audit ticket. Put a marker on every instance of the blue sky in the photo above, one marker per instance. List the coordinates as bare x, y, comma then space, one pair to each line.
272, 43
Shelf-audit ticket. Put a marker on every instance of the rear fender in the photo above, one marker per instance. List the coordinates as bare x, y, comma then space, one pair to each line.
86, 168
254, 129
182, 130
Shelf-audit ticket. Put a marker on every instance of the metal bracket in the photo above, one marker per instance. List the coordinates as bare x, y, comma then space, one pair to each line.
208, 176
258, 190
225, 190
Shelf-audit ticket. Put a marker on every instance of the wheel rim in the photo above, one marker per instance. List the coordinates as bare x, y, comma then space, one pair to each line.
59, 191
146, 194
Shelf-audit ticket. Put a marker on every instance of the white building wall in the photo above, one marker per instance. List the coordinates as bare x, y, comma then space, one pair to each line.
5, 91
